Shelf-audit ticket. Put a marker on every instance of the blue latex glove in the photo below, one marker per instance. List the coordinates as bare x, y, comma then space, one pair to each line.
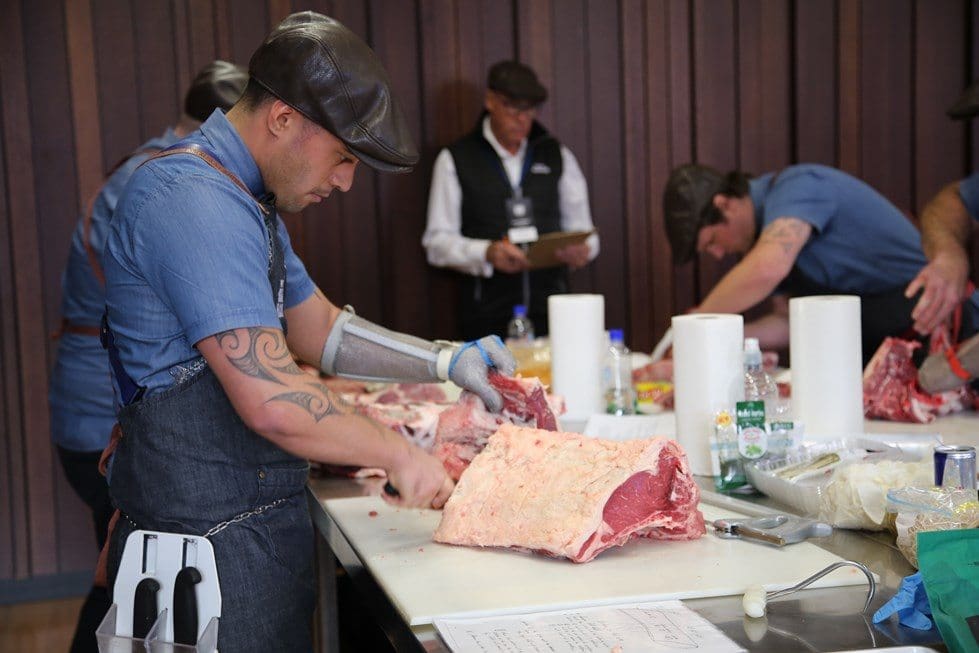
471, 364
910, 603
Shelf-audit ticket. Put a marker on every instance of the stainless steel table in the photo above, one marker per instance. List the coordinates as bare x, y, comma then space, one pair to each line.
811, 620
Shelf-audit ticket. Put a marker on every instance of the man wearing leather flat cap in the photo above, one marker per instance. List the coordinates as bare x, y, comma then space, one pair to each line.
804, 230
80, 396
506, 176
209, 308
947, 224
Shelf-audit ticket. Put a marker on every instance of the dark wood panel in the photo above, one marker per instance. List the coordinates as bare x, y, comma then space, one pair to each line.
939, 143
814, 89
31, 457
886, 98
602, 162
112, 25
202, 36
849, 30
715, 113
763, 84
158, 92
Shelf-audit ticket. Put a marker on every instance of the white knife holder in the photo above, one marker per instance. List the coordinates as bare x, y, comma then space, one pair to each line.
160, 556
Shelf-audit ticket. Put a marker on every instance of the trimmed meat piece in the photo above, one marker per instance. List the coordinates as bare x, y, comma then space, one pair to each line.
567, 495
464, 428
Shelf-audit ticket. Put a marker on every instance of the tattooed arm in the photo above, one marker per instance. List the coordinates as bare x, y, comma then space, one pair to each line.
761, 270
280, 402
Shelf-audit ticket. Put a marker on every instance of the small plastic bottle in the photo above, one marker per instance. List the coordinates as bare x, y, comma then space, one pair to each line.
520, 328
760, 402
620, 399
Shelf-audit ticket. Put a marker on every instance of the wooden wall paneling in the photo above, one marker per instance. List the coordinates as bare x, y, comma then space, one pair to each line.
51, 129
117, 76
849, 149
195, 24
681, 136
442, 122
972, 155
939, 143
160, 97
247, 24
639, 72
814, 93
33, 471
86, 126
13, 537
401, 198
885, 84
603, 66
764, 85
535, 41
715, 114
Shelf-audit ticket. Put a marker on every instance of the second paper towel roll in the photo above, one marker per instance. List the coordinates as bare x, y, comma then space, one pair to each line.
708, 375
827, 365
577, 332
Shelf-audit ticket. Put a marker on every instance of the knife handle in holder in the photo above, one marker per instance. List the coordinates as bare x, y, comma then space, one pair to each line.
185, 606
145, 609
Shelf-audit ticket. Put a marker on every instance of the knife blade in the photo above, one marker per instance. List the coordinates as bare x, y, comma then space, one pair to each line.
145, 607
185, 606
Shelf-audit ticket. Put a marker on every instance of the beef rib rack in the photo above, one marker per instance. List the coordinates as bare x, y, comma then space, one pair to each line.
567, 495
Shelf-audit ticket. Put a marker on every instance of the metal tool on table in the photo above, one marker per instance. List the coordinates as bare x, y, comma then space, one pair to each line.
778, 530
755, 598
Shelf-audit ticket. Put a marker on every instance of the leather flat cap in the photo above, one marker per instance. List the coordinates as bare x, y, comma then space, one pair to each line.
967, 105
516, 81
689, 192
326, 72
219, 84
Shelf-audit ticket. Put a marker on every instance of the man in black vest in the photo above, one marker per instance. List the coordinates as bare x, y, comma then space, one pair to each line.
505, 178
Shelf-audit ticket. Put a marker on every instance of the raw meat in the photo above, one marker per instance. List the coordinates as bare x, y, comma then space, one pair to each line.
416, 422
891, 391
464, 428
567, 495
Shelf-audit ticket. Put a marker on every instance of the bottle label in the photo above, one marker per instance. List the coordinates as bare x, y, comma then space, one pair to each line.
752, 435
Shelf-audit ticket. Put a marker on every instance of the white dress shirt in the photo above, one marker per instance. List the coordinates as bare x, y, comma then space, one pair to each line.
443, 240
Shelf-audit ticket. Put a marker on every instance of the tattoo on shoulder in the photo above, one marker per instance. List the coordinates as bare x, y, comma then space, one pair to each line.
258, 352
318, 406
788, 233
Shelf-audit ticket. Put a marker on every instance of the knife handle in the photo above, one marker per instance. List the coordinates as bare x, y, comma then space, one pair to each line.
390, 490
185, 606
145, 609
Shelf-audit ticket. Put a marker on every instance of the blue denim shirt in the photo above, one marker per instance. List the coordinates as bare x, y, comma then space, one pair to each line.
969, 192
860, 242
187, 257
80, 394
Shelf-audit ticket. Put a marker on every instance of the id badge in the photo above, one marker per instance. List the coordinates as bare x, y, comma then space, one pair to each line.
520, 215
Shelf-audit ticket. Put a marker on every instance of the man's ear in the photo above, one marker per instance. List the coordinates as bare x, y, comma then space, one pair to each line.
722, 203
280, 118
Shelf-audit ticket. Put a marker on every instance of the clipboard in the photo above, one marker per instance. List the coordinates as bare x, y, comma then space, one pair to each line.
542, 253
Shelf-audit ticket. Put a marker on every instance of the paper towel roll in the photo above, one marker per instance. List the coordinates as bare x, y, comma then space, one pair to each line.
577, 331
708, 375
827, 365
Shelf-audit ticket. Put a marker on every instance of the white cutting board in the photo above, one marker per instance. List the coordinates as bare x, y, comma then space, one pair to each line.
426, 580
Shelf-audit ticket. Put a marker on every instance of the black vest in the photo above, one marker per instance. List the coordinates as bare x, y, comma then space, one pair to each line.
486, 305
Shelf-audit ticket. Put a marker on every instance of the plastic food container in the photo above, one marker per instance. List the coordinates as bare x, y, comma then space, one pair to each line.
912, 510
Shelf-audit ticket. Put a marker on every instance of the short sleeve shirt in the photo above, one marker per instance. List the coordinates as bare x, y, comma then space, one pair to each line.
187, 257
860, 243
969, 192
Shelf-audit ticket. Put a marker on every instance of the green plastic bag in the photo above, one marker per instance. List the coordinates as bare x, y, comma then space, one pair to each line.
949, 564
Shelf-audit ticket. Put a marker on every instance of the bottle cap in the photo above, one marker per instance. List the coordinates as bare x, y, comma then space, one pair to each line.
751, 345
519, 310
615, 335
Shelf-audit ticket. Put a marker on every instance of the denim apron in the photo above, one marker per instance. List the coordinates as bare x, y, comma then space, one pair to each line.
187, 464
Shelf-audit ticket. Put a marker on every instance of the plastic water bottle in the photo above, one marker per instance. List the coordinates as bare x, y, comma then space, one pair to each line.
619, 396
520, 328
758, 385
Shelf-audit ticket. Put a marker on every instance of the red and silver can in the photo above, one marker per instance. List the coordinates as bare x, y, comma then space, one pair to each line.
955, 466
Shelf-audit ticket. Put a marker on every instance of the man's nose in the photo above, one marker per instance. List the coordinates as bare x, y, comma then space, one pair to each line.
716, 251
343, 179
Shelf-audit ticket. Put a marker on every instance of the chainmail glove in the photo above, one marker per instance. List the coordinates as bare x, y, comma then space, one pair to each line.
471, 363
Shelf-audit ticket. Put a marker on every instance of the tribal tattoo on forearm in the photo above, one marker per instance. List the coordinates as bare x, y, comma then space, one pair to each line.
788, 233
262, 353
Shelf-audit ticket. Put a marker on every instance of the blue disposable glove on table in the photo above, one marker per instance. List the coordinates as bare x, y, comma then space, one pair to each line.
910, 603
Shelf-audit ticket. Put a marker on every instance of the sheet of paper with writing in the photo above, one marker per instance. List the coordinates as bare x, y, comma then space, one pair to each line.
658, 626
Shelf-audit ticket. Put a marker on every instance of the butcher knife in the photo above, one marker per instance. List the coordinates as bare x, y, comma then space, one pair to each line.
390, 490
144, 607
185, 606
664, 343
